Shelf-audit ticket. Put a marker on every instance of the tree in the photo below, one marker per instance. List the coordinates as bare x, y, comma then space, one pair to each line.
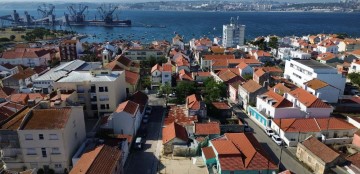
214, 90
355, 78
247, 76
273, 42
183, 89
166, 90
12, 37
161, 60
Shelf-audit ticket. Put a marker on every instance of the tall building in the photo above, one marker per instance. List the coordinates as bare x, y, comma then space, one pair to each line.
233, 34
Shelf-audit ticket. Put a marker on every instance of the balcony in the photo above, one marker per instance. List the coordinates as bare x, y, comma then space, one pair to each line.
93, 99
14, 156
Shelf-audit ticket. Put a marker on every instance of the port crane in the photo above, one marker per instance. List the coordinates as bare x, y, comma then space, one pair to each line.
77, 15
107, 15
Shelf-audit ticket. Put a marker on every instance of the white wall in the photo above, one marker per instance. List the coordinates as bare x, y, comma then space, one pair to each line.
328, 93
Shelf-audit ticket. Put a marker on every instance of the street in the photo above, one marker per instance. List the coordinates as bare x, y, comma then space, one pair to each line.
145, 161
288, 161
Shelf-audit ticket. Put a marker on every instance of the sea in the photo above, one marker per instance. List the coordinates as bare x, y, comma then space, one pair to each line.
163, 25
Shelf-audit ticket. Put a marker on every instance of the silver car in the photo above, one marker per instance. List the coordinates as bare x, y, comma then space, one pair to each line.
277, 139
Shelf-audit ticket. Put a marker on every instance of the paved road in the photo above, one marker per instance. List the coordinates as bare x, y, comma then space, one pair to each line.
145, 161
288, 161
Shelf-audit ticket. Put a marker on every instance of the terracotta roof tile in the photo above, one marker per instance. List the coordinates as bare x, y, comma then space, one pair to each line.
23, 74
47, 119
139, 98
208, 152
220, 105
167, 67
181, 61
242, 65
131, 77
231, 163
15, 122
308, 99
354, 159
319, 149
113, 66
207, 128
193, 102
129, 107
172, 131
19, 98
225, 147
218, 57
280, 101
184, 75
177, 114
251, 86
326, 56
316, 84
124, 60
102, 159
6, 92
156, 67
259, 72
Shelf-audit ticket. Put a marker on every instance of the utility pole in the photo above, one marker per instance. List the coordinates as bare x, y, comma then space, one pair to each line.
281, 147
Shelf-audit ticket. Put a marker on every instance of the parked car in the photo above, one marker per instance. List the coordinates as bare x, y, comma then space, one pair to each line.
138, 143
148, 110
277, 139
172, 94
269, 132
246, 127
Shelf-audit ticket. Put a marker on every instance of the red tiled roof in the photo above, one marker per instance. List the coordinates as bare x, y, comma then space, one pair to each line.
312, 124
193, 102
242, 65
102, 159
181, 61
184, 75
139, 98
220, 105
354, 159
207, 128
177, 114
248, 61
225, 147
316, 84
156, 67
208, 152
280, 100
231, 163
47, 119
308, 99
172, 131
131, 77
113, 66
123, 60
167, 67
23, 74
259, 72
251, 86
25, 53
226, 75
19, 98
129, 107
319, 149
218, 57
202, 74
6, 92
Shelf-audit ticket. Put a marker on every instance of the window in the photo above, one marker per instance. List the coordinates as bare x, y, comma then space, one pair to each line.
166, 76
53, 137
106, 89
107, 106
31, 151
101, 89
102, 106
55, 150
43, 152
58, 166
28, 137
41, 136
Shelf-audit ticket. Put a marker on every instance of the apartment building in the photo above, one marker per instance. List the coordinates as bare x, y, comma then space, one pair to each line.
99, 91
355, 66
70, 49
301, 71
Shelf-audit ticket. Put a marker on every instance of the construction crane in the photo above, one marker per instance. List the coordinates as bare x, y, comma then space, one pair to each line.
77, 15
107, 15
45, 10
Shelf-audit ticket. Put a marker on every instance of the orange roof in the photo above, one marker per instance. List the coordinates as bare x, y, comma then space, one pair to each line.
225, 147
167, 67
139, 98
177, 114
172, 131
270, 69
47, 119
320, 150
156, 67
202, 74
102, 159
27, 73
6, 92
259, 72
280, 101
354, 159
251, 86
308, 99
181, 61
231, 163
316, 84
326, 56
131, 77
193, 102
218, 57
207, 128
220, 105
128, 106
19, 98
184, 75
312, 124
217, 49
262, 53
113, 66
226, 75
280, 88
208, 152
356, 52
242, 65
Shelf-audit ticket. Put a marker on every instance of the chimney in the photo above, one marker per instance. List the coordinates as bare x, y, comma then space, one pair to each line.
58, 93
266, 84
305, 86
318, 94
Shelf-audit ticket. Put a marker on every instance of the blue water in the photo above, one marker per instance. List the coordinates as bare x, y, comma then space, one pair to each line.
197, 24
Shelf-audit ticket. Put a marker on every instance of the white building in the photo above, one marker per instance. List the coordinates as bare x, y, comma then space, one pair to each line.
301, 71
49, 137
29, 57
355, 66
99, 91
327, 46
160, 75
299, 54
233, 34
284, 53
322, 90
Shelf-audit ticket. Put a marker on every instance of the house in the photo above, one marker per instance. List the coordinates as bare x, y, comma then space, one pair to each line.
5, 92
318, 156
244, 69
222, 109
182, 64
99, 90
211, 129
200, 77
126, 119
238, 153
356, 139
29, 57
8, 69
327, 58
9, 109
301, 71
308, 103
322, 90
348, 45
261, 55
195, 106
180, 116
161, 75
21, 81
207, 61
248, 92
132, 81
141, 99
327, 46
124, 63
328, 130
145, 52
70, 50
97, 160
49, 137
185, 75
263, 74
172, 135
233, 91
299, 55
354, 66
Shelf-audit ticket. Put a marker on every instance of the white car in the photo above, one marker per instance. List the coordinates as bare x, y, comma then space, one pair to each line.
172, 94
277, 139
269, 132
